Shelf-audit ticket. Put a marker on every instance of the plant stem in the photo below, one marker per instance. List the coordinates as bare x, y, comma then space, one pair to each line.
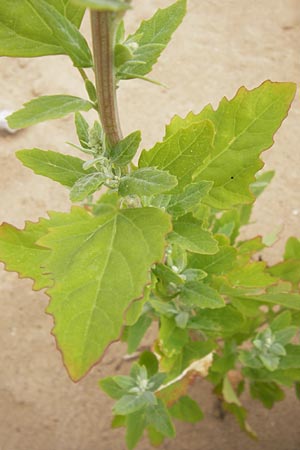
103, 48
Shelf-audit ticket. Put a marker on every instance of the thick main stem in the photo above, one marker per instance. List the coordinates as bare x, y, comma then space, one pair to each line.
103, 48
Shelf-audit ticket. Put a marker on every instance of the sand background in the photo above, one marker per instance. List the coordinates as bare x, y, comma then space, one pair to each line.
220, 46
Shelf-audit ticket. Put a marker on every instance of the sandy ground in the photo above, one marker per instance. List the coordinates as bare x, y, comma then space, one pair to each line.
221, 45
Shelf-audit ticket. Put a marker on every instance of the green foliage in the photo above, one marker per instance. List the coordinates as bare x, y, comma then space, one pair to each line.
46, 108
156, 244
32, 37
150, 39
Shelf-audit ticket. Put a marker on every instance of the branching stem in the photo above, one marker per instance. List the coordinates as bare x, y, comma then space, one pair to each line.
103, 48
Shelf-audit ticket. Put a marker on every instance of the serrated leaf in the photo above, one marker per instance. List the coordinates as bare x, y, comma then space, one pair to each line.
187, 410
190, 198
46, 108
116, 252
64, 169
252, 274
123, 152
86, 185
23, 33
20, 253
146, 181
189, 235
182, 153
200, 295
151, 38
245, 127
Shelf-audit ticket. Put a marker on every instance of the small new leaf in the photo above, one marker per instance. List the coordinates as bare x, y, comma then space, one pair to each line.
151, 38
147, 181
85, 186
46, 108
123, 152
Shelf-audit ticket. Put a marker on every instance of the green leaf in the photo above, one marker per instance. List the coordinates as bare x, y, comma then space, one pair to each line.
111, 388
291, 301
116, 252
150, 362
282, 321
171, 338
20, 253
240, 414
159, 418
292, 358
229, 393
135, 426
289, 269
189, 234
182, 153
103, 5
252, 274
267, 393
123, 152
217, 264
222, 321
151, 38
136, 332
46, 108
64, 169
187, 410
86, 185
199, 295
129, 404
66, 34
190, 198
244, 127
82, 130
292, 248
146, 181
23, 33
